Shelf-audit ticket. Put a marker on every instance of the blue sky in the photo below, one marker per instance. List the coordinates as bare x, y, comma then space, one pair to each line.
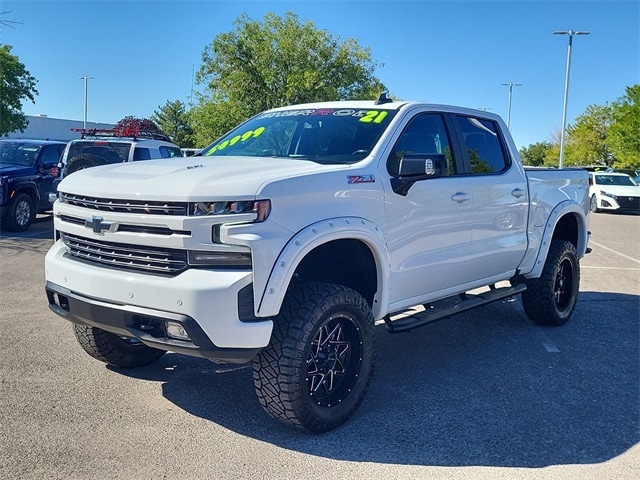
142, 53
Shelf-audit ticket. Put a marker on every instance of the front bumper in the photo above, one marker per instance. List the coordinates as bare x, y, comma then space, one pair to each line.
204, 302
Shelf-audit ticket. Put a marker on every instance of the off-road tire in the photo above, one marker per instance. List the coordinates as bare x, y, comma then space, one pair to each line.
115, 350
551, 299
82, 161
315, 372
20, 214
593, 204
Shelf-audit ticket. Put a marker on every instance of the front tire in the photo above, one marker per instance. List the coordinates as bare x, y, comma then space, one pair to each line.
115, 350
315, 372
21, 213
551, 299
593, 204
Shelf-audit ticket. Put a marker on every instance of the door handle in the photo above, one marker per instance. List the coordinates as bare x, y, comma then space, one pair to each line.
460, 197
518, 192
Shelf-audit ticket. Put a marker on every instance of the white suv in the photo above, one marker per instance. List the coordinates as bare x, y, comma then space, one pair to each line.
102, 147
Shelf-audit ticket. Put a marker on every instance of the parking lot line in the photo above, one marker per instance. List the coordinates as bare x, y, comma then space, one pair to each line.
591, 242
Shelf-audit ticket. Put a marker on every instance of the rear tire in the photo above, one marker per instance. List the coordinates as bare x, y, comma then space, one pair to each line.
115, 350
82, 161
315, 372
551, 299
20, 214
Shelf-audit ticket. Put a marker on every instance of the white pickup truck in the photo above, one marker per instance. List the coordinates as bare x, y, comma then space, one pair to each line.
286, 241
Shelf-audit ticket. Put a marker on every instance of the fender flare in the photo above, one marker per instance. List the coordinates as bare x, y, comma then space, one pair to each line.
311, 237
27, 186
567, 207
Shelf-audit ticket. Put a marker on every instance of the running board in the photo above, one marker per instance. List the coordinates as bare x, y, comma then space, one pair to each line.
450, 306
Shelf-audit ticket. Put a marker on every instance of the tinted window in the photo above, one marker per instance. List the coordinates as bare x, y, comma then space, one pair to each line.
141, 153
112, 152
170, 152
425, 134
51, 155
483, 146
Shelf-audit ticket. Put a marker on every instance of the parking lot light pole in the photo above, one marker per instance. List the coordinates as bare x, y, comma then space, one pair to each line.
86, 78
510, 85
571, 33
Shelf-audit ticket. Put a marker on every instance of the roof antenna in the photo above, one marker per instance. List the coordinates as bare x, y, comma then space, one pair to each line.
383, 99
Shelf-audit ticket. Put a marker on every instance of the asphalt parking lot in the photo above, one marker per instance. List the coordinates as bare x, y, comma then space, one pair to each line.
485, 395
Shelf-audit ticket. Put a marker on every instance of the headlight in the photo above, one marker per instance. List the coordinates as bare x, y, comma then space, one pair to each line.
259, 208
607, 194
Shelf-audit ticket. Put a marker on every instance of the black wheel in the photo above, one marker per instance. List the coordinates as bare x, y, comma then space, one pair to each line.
82, 161
593, 204
115, 350
550, 299
315, 372
20, 214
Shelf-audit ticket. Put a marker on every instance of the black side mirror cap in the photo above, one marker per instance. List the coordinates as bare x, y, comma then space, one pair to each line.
416, 167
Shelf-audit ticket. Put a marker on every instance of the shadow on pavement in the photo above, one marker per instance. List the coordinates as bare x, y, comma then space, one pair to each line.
486, 388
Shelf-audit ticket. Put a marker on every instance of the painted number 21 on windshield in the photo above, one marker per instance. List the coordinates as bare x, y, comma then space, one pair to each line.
374, 116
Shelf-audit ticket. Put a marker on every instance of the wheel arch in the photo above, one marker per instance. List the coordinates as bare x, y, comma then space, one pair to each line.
27, 188
567, 221
347, 251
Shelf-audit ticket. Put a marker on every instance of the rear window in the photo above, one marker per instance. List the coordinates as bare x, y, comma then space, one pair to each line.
112, 152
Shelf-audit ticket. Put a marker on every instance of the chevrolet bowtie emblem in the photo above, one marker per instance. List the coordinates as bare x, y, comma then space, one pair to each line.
99, 226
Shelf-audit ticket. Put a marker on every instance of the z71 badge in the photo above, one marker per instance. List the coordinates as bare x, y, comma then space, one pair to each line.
361, 179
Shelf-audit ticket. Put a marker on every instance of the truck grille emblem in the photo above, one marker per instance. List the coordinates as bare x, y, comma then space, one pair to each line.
99, 226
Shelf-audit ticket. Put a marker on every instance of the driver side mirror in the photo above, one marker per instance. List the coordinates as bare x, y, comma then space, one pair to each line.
416, 167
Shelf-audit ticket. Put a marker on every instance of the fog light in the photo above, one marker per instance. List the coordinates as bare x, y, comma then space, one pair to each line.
177, 331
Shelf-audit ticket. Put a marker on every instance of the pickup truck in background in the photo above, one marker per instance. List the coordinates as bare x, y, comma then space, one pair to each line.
27, 171
284, 242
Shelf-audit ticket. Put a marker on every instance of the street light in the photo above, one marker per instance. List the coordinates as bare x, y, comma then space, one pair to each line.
86, 79
571, 33
510, 85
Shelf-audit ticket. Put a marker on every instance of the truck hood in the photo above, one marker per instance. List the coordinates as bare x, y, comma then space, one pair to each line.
190, 178
620, 190
15, 170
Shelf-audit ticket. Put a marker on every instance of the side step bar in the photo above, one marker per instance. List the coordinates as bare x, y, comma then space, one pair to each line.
450, 306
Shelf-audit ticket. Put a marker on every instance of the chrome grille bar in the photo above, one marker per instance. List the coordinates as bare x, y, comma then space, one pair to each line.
126, 206
140, 259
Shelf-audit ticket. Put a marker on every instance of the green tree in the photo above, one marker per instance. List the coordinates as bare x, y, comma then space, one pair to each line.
586, 138
623, 137
16, 85
276, 62
173, 119
535, 153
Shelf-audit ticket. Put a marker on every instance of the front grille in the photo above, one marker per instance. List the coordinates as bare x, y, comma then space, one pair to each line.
130, 228
125, 206
141, 259
629, 203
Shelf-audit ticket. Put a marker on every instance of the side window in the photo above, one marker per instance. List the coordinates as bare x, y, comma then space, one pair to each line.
425, 134
170, 152
482, 143
50, 155
141, 153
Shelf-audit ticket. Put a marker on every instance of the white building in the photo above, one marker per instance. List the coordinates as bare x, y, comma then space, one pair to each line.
42, 127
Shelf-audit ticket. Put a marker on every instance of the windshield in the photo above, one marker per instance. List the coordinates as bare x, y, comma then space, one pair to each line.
21, 154
328, 136
619, 180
